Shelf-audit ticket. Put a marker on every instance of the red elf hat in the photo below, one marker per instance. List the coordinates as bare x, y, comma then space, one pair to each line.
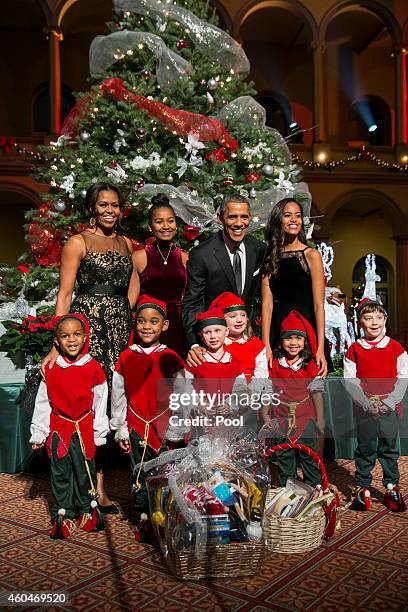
297, 324
80, 317
366, 302
228, 302
214, 316
146, 301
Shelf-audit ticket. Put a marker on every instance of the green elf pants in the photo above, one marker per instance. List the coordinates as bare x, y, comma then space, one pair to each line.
69, 479
376, 439
141, 497
287, 459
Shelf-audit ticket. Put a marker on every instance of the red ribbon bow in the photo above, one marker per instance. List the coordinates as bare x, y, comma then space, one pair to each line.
7, 143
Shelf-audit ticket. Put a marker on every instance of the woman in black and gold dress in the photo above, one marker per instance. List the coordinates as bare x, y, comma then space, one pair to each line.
293, 278
100, 261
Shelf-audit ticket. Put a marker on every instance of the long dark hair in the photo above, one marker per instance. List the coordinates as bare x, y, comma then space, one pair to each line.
306, 355
159, 201
94, 191
275, 237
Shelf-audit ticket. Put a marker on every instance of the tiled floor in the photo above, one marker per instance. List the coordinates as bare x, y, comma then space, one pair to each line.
363, 568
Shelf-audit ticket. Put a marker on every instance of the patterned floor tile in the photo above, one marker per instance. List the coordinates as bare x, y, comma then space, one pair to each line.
362, 568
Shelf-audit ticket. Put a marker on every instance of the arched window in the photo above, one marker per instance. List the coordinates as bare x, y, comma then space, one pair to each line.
371, 118
41, 107
278, 112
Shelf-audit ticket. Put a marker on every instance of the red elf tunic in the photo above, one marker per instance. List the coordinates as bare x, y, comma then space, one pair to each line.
251, 354
140, 401
377, 369
214, 377
72, 399
294, 384
216, 374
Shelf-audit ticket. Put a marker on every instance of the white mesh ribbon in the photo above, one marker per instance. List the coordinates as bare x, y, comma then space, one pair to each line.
105, 50
16, 311
190, 208
209, 39
264, 201
246, 112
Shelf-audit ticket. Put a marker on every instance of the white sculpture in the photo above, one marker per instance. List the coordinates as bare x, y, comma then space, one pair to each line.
335, 316
371, 277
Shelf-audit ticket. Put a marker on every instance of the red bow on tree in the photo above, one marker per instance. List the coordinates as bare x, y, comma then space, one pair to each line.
7, 143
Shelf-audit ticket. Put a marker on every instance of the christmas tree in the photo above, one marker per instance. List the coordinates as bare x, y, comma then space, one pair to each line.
169, 110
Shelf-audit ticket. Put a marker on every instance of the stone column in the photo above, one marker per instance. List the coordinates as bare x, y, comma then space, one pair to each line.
400, 136
54, 35
319, 117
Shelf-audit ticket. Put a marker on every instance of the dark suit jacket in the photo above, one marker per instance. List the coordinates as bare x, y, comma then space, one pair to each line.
209, 273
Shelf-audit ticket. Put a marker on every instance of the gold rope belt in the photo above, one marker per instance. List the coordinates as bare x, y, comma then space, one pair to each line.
291, 406
92, 490
143, 442
376, 397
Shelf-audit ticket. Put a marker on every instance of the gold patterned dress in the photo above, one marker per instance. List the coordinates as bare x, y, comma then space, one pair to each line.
101, 295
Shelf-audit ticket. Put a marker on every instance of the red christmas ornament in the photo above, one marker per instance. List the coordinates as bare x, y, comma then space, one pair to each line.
182, 44
127, 212
218, 155
24, 268
139, 183
191, 232
252, 177
44, 212
229, 180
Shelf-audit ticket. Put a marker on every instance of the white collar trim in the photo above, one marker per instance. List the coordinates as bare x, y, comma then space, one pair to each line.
381, 344
136, 348
228, 341
294, 366
226, 358
63, 363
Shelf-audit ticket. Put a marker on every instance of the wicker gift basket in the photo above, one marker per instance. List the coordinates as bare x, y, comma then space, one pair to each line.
202, 517
303, 533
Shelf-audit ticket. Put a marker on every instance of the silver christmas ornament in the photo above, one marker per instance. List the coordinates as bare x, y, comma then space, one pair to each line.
170, 178
84, 136
212, 84
252, 192
209, 98
59, 206
267, 169
83, 193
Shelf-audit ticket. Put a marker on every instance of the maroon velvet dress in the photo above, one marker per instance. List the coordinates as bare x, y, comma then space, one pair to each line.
166, 283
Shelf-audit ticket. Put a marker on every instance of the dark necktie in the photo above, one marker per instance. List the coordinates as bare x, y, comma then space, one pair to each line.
236, 265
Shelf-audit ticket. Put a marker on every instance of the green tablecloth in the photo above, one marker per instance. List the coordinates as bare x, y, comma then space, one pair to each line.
340, 420
16, 454
15, 451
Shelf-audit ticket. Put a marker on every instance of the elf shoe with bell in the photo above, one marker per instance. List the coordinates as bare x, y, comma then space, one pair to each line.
62, 527
144, 531
91, 521
393, 499
361, 499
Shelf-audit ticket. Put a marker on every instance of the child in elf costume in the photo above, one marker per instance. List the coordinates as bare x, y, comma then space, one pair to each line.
70, 418
140, 403
299, 416
376, 374
241, 342
220, 374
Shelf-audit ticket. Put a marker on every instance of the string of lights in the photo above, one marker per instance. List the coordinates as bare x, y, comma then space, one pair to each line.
28, 153
362, 155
